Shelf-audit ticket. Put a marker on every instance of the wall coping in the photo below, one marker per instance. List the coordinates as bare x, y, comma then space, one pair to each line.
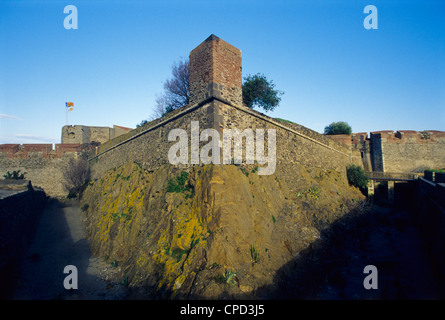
202, 103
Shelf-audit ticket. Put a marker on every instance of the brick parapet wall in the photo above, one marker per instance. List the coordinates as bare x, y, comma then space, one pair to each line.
43, 151
43, 165
410, 136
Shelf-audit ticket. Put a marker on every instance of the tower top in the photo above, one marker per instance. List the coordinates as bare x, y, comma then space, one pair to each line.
215, 71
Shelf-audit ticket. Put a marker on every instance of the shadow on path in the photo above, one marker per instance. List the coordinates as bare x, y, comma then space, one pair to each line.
60, 240
332, 268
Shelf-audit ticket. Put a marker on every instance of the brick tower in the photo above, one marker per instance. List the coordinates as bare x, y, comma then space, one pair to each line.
215, 72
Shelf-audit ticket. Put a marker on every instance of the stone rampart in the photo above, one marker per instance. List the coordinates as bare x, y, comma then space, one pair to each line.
149, 146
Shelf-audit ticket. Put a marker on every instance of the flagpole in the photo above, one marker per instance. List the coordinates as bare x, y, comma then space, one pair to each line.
68, 106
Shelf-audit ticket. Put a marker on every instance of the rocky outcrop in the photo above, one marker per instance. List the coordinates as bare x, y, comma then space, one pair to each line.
209, 231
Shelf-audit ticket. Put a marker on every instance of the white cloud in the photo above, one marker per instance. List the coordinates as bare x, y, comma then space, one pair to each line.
7, 116
26, 138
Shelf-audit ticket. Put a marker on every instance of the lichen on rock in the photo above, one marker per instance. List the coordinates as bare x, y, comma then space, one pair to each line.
181, 242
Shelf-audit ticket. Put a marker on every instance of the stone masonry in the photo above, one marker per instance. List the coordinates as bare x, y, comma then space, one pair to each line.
215, 71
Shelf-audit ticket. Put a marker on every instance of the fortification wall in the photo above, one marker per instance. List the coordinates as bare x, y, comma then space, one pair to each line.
148, 145
42, 164
295, 144
355, 148
407, 151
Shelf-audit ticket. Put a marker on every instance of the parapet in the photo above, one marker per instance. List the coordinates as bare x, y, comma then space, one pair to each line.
409, 136
43, 150
359, 137
345, 139
10, 149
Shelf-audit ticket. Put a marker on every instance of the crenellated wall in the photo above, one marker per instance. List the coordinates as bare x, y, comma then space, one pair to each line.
43, 164
404, 151
408, 151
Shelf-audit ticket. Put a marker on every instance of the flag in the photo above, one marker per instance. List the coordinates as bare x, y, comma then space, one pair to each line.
69, 105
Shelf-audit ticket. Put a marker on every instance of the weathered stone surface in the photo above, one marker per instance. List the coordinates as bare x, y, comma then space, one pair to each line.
184, 244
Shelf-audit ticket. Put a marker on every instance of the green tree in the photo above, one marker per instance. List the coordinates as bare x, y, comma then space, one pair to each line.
340, 127
260, 92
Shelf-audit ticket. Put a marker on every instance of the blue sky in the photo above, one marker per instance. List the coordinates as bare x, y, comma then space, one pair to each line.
318, 52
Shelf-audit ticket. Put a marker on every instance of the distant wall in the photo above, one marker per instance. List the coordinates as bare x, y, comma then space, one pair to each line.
397, 152
79, 134
407, 151
42, 164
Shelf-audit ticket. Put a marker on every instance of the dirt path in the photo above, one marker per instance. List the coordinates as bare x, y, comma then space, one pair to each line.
60, 241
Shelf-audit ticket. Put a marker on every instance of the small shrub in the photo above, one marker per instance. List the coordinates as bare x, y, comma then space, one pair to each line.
125, 281
15, 175
229, 277
179, 184
313, 192
357, 177
255, 254
85, 207
178, 253
244, 171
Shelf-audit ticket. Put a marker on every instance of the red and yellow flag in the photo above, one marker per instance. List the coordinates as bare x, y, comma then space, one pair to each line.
70, 106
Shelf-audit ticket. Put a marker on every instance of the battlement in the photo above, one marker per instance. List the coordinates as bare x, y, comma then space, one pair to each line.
44, 151
409, 136
359, 137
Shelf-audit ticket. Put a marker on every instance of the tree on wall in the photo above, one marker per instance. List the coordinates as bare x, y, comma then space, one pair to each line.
176, 89
260, 92
340, 127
